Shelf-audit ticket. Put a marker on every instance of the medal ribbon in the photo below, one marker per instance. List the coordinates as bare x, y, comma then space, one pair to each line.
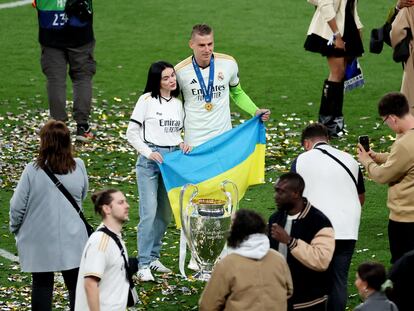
207, 91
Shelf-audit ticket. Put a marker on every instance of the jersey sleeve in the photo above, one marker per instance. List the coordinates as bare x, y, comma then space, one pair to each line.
96, 255
243, 100
134, 138
134, 127
138, 115
181, 113
178, 75
234, 78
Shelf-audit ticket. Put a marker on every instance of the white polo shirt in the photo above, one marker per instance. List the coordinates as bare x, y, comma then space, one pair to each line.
201, 124
329, 188
102, 258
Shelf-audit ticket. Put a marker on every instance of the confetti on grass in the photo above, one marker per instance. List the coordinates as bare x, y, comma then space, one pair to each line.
110, 160
19, 142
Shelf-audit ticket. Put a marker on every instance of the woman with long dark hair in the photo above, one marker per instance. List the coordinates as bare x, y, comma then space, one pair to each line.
154, 130
50, 235
335, 33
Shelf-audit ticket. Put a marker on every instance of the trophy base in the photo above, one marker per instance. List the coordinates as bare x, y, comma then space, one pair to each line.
202, 275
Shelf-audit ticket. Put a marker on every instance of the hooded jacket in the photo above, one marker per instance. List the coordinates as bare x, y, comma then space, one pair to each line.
252, 277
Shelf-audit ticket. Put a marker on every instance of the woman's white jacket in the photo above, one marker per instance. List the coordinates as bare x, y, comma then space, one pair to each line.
327, 10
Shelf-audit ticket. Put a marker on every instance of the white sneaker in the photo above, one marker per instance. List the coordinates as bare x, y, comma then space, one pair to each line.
192, 265
145, 275
157, 266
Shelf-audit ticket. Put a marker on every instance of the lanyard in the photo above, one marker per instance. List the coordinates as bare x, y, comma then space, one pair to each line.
207, 91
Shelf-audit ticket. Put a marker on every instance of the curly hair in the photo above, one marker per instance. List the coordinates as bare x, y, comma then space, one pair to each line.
245, 223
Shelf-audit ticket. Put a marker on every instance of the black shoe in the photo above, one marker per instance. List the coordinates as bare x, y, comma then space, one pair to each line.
84, 133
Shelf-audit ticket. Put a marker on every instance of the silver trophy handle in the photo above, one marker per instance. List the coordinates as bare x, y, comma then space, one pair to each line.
184, 212
232, 208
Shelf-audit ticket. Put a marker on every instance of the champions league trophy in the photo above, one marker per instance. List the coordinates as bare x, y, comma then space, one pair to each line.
206, 224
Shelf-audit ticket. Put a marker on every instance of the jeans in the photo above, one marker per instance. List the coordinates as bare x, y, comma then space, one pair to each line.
338, 271
82, 67
42, 289
154, 208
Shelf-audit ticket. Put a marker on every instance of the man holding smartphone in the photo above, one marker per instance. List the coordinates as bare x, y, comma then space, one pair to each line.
364, 141
334, 185
396, 168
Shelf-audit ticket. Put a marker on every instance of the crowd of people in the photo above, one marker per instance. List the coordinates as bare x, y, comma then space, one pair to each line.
298, 260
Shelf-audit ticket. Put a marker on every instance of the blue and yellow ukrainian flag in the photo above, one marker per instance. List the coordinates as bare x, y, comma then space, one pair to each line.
237, 155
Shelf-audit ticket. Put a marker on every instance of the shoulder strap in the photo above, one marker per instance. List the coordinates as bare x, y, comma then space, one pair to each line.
121, 248
340, 163
68, 196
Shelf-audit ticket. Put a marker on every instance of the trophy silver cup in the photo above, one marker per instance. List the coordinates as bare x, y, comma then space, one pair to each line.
206, 223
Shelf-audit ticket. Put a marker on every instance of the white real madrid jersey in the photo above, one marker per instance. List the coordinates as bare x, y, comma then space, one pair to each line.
102, 259
204, 121
161, 120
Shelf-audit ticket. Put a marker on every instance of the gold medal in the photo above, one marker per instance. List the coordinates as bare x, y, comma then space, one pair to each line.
208, 106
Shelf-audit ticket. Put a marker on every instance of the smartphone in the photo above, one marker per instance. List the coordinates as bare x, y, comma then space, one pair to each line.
364, 141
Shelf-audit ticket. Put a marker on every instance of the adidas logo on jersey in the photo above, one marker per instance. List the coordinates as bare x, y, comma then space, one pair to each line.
194, 81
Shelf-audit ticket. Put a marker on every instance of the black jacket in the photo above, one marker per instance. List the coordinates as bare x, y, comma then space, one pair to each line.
310, 285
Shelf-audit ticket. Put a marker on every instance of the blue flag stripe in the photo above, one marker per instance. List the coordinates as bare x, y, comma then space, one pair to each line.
213, 157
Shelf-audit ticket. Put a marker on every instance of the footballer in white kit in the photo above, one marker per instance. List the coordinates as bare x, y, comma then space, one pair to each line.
207, 81
205, 120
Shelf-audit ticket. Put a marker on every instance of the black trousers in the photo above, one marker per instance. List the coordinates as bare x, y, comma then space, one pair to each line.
42, 289
401, 238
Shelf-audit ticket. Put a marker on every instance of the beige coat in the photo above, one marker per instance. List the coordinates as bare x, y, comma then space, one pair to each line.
405, 19
327, 10
397, 170
239, 283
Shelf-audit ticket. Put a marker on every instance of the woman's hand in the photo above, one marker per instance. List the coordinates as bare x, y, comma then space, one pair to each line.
185, 148
156, 156
339, 43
